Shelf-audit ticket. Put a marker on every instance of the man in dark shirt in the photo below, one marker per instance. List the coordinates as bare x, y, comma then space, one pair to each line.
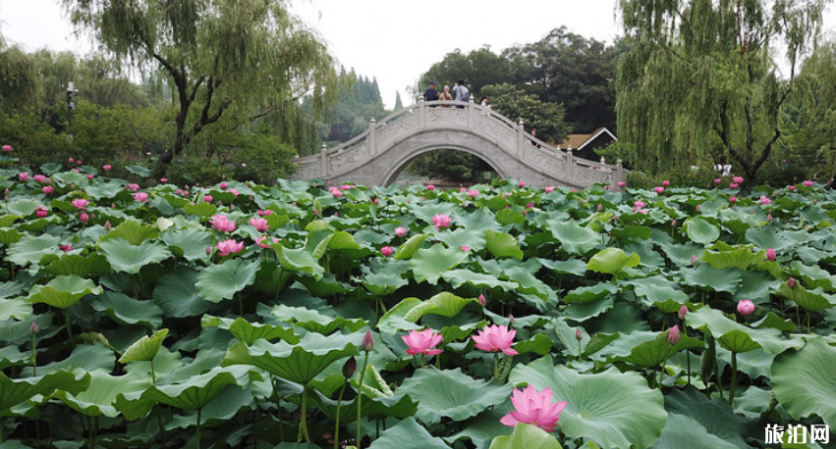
431, 94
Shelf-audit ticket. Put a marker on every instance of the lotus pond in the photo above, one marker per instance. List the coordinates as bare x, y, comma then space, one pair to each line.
142, 314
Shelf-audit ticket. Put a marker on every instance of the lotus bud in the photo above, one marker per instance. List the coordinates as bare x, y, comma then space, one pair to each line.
682, 312
7, 190
34, 328
693, 259
673, 335
769, 218
745, 307
510, 320
482, 300
84, 217
673, 223
578, 335
698, 207
600, 207
791, 283
107, 226
208, 250
349, 367
368, 342
770, 254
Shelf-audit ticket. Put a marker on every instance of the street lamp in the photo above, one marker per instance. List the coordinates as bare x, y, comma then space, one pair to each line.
71, 92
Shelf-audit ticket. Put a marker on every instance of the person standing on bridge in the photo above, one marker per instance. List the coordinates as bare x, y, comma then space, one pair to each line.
431, 94
461, 91
445, 96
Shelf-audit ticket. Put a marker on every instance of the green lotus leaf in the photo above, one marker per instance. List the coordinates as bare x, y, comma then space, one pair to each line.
94, 265
15, 391
575, 267
50, 168
128, 311
129, 258
709, 278
298, 260
202, 210
631, 233
472, 238
454, 394
714, 417
509, 216
683, 431
188, 243
384, 283
526, 436
655, 352
326, 286
248, 332
23, 206
298, 363
138, 170
226, 405
681, 254
63, 291
144, 349
613, 409
813, 276
370, 237
462, 276
17, 308
271, 279
99, 398
30, 249
737, 337
177, 295
9, 236
8, 220
657, 290
530, 284
539, 344
483, 428
727, 257
813, 300
701, 231
393, 320
197, 391
803, 381
107, 190
398, 406
410, 247
770, 237
428, 264
314, 321
219, 282
502, 245
133, 232
407, 434
590, 293
612, 261
11, 356
574, 238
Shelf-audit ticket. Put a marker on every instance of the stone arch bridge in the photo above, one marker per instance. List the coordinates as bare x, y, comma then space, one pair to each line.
379, 155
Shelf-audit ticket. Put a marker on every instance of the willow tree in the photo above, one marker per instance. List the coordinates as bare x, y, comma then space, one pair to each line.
18, 79
228, 62
702, 78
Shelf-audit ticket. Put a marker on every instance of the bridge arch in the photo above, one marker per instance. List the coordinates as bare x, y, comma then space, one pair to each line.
378, 155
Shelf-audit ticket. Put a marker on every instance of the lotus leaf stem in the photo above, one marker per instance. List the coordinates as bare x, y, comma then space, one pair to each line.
69, 324
360, 398
733, 378
339, 407
197, 430
304, 423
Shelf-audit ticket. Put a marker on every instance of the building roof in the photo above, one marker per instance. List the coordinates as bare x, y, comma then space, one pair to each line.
578, 141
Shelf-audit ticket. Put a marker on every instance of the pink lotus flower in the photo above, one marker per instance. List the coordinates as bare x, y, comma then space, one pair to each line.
472, 193
70, 160
733, 185
639, 204
698, 208
733, 199
259, 241
78, 162
534, 408
496, 338
607, 187
387, 251
430, 187
482, 300
791, 283
208, 198
67, 248
47, 189
521, 184
529, 205
89, 177
621, 183
41, 212
441, 221
260, 224
420, 342
84, 217
400, 231
765, 200
221, 223
666, 183
462, 189
7, 148
77, 170
179, 192
745, 307
264, 213
163, 180
808, 183
80, 203
346, 187
737, 179
465, 248
770, 254
23, 176
106, 167
108, 226
223, 186
230, 246
336, 192
41, 179
792, 188
133, 187
682, 312
550, 189
717, 180
673, 335
141, 197
660, 190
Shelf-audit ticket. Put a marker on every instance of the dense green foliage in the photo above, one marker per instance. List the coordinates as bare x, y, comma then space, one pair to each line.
151, 317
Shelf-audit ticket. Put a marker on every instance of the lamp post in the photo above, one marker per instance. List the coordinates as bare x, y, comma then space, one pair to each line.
71, 92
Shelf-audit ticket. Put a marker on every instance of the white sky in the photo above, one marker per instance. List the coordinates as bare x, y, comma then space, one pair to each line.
393, 40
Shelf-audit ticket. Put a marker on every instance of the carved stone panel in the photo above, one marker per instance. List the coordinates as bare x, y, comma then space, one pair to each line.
308, 170
399, 128
447, 117
548, 163
497, 130
589, 175
349, 159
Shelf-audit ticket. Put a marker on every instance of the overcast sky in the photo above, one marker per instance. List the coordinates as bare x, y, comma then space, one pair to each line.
393, 40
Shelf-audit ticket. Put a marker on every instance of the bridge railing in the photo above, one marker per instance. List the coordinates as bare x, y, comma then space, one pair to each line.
457, 114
